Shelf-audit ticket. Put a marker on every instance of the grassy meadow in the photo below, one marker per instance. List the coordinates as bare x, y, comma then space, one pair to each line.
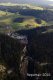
17, 21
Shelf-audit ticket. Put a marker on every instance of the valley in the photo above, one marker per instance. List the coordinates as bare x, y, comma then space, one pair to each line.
23, 16
26, 42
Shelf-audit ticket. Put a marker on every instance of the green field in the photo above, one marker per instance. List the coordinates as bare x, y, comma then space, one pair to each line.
6, 19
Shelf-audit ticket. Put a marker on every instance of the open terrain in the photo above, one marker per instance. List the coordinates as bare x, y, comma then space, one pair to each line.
27, 45
23, 16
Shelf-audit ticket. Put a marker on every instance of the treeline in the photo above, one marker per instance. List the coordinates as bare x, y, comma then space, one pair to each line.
46, 15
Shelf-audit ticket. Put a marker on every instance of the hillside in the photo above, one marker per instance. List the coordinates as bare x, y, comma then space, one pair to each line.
26, 42
18, 58
23, 16
23, 6
13, 21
